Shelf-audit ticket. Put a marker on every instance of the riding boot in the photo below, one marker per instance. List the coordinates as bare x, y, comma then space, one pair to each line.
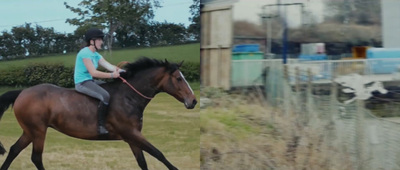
102, 113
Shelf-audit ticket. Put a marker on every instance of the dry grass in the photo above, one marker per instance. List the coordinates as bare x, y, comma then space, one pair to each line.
170, 127
239, 132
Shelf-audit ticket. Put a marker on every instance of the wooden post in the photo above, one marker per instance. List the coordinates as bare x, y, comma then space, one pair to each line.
333, 101
360, 137
297, 87
310, 101
286, 95
297, 79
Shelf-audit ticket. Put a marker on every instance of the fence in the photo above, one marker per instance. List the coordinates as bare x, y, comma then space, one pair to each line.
350, 134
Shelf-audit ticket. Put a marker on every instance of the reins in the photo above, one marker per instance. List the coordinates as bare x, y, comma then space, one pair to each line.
133, 88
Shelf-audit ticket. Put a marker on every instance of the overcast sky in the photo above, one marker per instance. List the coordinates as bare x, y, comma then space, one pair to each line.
52, 13
250, 9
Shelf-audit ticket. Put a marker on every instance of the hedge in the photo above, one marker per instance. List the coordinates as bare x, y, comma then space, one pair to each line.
34, 74
63, 76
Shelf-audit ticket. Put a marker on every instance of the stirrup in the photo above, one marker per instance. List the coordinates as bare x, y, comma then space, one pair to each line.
102, 130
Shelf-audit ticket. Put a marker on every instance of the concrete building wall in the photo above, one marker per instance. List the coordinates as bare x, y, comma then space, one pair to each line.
391, 23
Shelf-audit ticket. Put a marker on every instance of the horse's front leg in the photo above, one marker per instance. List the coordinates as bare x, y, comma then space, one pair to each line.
138, 140
139, 156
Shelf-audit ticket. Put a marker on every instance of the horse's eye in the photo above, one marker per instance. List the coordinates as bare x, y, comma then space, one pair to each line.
179, 78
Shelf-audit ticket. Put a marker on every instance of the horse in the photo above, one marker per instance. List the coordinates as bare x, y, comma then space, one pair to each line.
46, 105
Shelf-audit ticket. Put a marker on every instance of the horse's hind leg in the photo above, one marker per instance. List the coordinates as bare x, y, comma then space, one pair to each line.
139, 156
37, 149
21, 144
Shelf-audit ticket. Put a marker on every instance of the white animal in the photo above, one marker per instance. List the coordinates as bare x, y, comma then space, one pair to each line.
355, 83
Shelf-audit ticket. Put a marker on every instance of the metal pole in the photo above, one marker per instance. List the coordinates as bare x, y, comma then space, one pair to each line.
279, 7
266, 34
279, 13
302, 16
284, 23
284, 38
269, 34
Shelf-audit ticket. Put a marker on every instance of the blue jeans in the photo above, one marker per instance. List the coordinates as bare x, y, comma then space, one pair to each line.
92, 88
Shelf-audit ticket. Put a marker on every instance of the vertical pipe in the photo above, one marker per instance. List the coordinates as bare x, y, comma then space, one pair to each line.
284, 38
302, 16
279, 7
269, 36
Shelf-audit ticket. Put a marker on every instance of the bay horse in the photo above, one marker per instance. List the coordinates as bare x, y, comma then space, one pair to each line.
74, 114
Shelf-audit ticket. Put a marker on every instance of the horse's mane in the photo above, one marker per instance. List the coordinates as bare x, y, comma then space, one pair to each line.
146, 63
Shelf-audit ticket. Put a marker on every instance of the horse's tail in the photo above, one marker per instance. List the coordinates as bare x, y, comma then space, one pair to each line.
6, 100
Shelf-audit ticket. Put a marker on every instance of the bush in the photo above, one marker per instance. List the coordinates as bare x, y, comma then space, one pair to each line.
191, 71
63, 76
12, 77
35, 74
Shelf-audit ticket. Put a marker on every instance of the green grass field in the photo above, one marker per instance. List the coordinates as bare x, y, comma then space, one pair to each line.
188, 53
168, 125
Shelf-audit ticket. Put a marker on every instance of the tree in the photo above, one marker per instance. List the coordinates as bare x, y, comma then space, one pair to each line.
24, 38
368, 12
46, 42
194, 28
152, 34
112, 14
172, 33
362, 12
134, 34
7, 45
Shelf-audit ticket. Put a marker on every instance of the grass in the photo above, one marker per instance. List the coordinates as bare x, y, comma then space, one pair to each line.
188, 53
170, 127
244, 132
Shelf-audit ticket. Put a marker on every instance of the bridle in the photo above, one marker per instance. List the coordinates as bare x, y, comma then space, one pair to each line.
133, 88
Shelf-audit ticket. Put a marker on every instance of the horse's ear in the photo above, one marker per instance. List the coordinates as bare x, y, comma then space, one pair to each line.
122, 64
180, 64
166, 62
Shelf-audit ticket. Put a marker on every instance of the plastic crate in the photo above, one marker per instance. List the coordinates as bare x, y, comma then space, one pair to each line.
312, 57
246, 48
246, 73
383, 60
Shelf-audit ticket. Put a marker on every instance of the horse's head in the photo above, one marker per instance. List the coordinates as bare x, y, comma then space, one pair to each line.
165, 77
174, 83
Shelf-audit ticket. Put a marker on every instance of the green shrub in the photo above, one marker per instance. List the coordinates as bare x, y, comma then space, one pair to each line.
191, 71
14, 76
63, 76
67, 77
56, 74
34, 74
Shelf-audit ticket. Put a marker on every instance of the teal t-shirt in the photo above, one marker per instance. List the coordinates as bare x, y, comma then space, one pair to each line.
81, 73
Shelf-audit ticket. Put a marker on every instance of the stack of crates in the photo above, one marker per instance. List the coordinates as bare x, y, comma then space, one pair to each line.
248, 71
314, 57
383, 60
